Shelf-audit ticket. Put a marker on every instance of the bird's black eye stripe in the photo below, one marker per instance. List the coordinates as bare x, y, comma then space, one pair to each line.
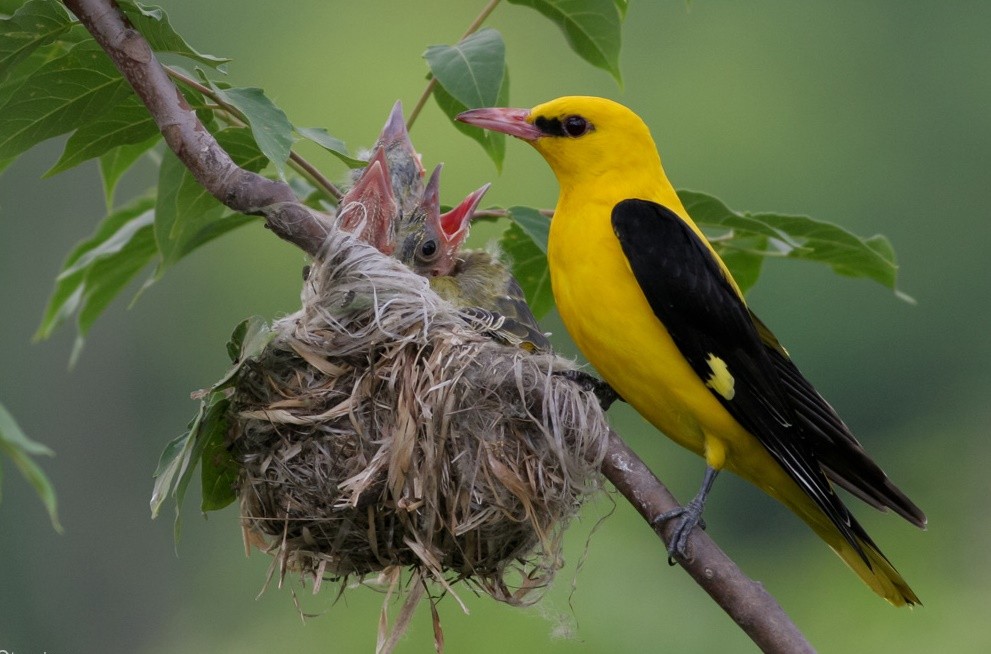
550, 126
572, 126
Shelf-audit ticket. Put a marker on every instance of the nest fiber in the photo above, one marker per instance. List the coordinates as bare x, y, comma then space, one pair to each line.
382, 428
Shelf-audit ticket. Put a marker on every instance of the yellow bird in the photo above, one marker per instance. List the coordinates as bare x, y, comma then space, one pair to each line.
656, 311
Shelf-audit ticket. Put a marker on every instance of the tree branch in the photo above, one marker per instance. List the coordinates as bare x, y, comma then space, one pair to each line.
239, 189
745, 600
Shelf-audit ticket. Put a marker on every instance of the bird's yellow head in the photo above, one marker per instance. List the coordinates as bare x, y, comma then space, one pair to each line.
583, 138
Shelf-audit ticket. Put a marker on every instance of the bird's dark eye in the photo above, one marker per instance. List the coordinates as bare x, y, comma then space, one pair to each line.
428, 249
575, 126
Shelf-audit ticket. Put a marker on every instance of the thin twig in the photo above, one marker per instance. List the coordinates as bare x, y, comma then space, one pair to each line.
504, 213
305, 168
472, 28
297, 162
418, 107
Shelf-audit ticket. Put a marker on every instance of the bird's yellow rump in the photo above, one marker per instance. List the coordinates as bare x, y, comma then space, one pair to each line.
656, 311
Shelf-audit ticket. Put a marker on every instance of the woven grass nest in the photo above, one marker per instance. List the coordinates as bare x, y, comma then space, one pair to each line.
381, 430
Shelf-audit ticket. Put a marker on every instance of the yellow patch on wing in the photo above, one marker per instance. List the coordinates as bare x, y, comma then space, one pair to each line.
720, 380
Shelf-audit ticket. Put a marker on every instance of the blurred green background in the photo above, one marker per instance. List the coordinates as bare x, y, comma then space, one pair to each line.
871, 115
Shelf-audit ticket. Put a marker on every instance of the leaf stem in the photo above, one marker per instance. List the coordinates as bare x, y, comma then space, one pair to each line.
472, 28
298, 163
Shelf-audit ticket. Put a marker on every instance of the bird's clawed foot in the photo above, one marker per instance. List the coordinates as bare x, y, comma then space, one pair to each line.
603, 391
687, 518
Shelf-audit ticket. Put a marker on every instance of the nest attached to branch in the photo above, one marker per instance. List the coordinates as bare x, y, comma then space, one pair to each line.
381, 430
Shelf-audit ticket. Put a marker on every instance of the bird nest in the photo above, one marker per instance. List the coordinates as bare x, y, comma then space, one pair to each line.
383, 430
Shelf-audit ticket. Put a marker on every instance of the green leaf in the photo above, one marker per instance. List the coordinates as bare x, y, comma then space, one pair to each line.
744, 257
186, 215
182, 209
16, 446
154, 25
173, 461
191, 453
169, 454
219, 470
591, 27
472, 70
533, 223
128, 123
60, 96
331, 144
34, 24
11, 434
269, 124
622, 6
237, 339
17, 75
529, 266
179, 459
118, 161
243, 148
109, 274
247, 341
226, 223
99, 267
494, 143
240, 145
205, 440
175, 467
799, 237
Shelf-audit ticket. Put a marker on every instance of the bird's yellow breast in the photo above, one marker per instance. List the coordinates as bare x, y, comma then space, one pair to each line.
612, 323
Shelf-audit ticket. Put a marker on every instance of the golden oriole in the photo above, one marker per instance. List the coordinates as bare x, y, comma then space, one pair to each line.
656, 311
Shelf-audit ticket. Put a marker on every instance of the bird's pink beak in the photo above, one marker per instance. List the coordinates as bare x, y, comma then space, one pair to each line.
395, 126
430, 202
394, 133
499, 119
454, 223
367, 209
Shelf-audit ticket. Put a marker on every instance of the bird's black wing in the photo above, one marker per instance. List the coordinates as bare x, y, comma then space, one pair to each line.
706, 318
519, 317
840, 454
488, 291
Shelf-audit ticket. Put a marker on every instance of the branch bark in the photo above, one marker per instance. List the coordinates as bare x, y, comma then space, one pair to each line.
745, 600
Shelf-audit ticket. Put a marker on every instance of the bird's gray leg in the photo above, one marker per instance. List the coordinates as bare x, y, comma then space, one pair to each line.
603, 391
688, 516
